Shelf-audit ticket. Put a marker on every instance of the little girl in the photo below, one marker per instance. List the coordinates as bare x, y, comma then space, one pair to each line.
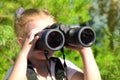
27, 25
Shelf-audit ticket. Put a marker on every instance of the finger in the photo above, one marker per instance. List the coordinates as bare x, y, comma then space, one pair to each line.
32, 34
34, 40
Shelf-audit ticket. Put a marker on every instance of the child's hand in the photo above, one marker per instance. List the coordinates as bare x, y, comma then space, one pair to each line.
80, 49
29, 42
32, 37
77, 47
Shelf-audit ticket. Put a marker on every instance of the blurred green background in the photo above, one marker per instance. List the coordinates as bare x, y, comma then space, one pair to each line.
102, 15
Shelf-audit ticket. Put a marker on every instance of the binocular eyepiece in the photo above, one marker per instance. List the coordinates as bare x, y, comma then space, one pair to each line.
58, 35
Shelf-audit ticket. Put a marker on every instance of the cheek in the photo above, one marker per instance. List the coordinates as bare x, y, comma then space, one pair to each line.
39, 55
36, 53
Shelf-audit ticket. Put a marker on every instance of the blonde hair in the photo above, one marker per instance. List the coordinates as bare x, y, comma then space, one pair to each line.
27, 16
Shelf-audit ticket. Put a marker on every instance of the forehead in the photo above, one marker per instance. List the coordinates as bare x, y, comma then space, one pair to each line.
40, 23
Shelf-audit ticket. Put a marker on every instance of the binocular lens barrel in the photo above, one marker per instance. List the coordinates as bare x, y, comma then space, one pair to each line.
83, 36
51, 40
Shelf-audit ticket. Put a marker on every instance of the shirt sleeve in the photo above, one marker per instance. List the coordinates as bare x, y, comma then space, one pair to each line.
8, 73
71, 68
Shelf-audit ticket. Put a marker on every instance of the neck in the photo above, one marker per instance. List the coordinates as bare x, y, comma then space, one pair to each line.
40, 67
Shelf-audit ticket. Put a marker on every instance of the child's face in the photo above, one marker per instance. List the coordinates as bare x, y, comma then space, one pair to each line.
38, 23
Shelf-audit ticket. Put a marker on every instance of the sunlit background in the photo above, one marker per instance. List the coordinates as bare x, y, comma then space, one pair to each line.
102, 15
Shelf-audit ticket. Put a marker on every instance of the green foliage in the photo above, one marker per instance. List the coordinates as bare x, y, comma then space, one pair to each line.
8, 48
108, 65
107, 46
106, 58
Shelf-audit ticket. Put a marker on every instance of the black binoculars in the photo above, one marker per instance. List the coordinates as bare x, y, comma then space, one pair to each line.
58, 35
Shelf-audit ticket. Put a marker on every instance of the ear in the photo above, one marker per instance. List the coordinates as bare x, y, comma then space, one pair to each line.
20, 41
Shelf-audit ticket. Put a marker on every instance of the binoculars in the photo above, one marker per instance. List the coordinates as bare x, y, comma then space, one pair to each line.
59, 35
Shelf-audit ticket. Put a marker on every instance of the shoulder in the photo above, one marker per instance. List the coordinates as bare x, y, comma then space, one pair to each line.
72, 69
70, 65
